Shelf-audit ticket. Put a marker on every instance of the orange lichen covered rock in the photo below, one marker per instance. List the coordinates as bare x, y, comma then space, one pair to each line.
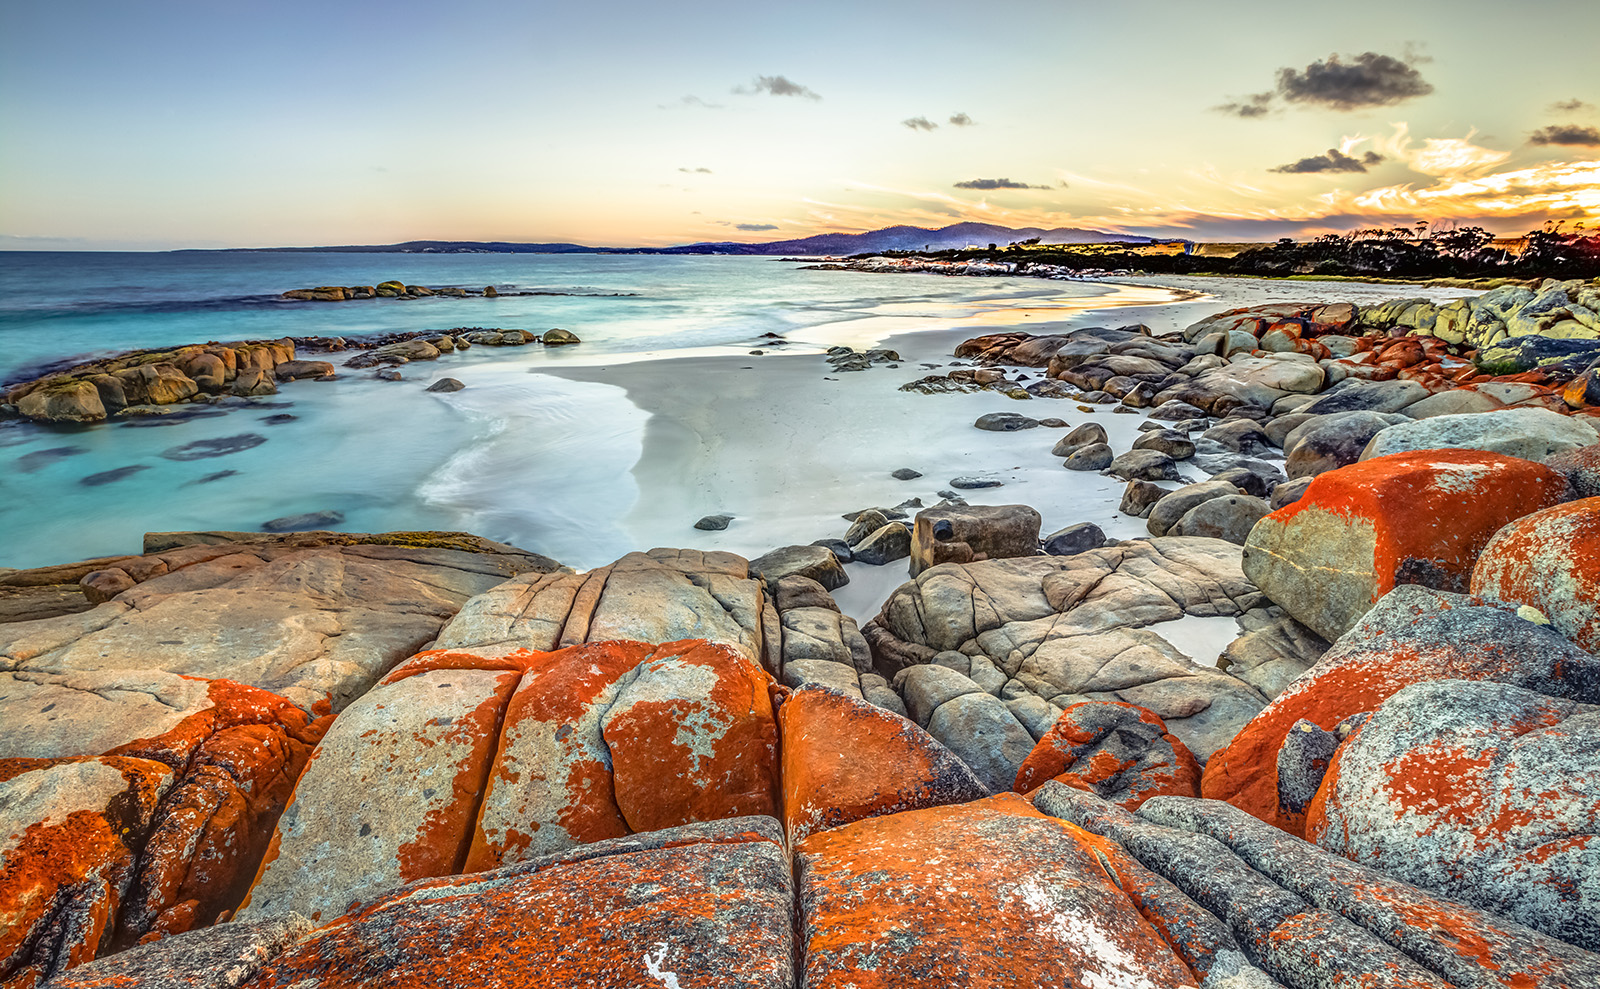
1419, 517
984, 893
1484, 792
845, 760
1117, 751
704, 905
1413, 635
69, 830
1551, 561
389, 796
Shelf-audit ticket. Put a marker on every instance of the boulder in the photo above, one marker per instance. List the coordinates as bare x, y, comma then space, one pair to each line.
445, 385
1095, 456
1327, 442
1581, 468
294, 370
156, 384
1358, 531
1139, 498
1087, 434
252, 382
63, 401
1174, 505
1357, 395
1143, 465
558, 337
1412, 635
69, 831
823, 634
1549, 560
1171, 442
965, 533
885, 545
1482, 792
845, 760
1230, 517
983, 732
1072, 539
1530, 433
706, 904
713, 523
222, 957
1121, 752
1005, 422
992, 890
815, 562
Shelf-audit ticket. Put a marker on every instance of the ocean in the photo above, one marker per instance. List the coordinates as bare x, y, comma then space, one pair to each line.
523, 455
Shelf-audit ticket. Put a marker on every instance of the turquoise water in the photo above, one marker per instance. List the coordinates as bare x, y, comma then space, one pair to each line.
390, 455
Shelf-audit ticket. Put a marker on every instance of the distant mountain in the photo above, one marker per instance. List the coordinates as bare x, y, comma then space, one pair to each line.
901, 238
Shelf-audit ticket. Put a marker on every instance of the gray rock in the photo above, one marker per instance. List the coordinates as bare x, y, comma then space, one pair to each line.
1177, 411
803, 673
865, 524
816, 562
1095, 456
391, 374
1171, 507
1530, 433
1290, 492
446, 385
905, 474
1252, 483
714, 523
1139, 497
304, 523
1302, 762
824, 635
967, 483
838, 547
222, 957
984, 734
1357, 395
963, 533
1174, 444
926, 688
1324, 443
1005, 422
1074, 539
1240, 436
1581, 468
1273, 651
1087, 434
1144, 465
1230, 517
889, 543
877, 692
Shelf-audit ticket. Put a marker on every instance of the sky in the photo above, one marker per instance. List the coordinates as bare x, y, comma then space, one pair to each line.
238, 123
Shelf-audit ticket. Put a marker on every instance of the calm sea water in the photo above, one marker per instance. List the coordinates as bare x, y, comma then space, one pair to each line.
387, 455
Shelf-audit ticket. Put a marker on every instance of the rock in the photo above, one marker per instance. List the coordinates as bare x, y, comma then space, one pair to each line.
1095, 456
1174, 444
71, 828
887, 544
1118, 751
845, 760
985, 735
964, 533
1175, 410
905, 474
1358, 531
445, 385
1356, 395
303, 523
1240, 436
1480, 791
704, 904
1005, 422
1547, 561
1144, 465
1251, 482
1088, 434
157, 384
838, 547
1303, 762
1230, 517
1581, 468
992, 890
968, 483
1139, 497
1272, 651
294, 370
1068, 629
101, 586
1532, 434
1324, 443
219, 447
1289, 492
714, 523
558, 337
64, 401
865, 524
388, 374
1073, 539
253, 382
1412, 635
823, 634
222, 957
815, 562
1174, 505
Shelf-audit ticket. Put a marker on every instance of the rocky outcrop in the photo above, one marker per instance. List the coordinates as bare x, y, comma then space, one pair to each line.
968, 533
312, 616
1413, 635
1117, 751
1034, 636
1408, 518
1483, 792
1531, 434
1550, 561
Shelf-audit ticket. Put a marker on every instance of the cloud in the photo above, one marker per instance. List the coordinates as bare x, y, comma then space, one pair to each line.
1333, 161
1567, 134
987, 184
919, 123
696, 171
1248, 107
1357, 82
1572, 106
755, 227
961, 120
690, 101
1444, 157
776, 86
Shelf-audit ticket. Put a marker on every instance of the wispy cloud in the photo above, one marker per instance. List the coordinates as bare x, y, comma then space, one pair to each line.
919, 123
693, 101
1334, 161
1354, 82
1567, 134
1572, 106
988, 184
776, 86
696, 171
755, 227
1247, 107
962, 120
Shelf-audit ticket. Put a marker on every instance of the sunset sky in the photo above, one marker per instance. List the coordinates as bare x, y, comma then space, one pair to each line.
244, 123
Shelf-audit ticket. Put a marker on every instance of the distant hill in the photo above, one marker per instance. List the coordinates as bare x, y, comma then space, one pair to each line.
901, 238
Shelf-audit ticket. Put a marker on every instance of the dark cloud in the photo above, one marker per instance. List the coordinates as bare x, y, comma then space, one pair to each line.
919, 123
776, 86
1567, 134
1572, 106
756, 227
696, 171
1254, 105
1333, 161
1366, 80
987, 184
961, 120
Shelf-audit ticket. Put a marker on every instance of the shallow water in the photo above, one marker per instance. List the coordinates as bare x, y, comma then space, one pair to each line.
541, 461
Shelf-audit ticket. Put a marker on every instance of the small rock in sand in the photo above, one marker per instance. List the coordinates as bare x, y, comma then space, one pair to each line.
714, 523
1005, 422
971, 483
446, 384
906, 474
